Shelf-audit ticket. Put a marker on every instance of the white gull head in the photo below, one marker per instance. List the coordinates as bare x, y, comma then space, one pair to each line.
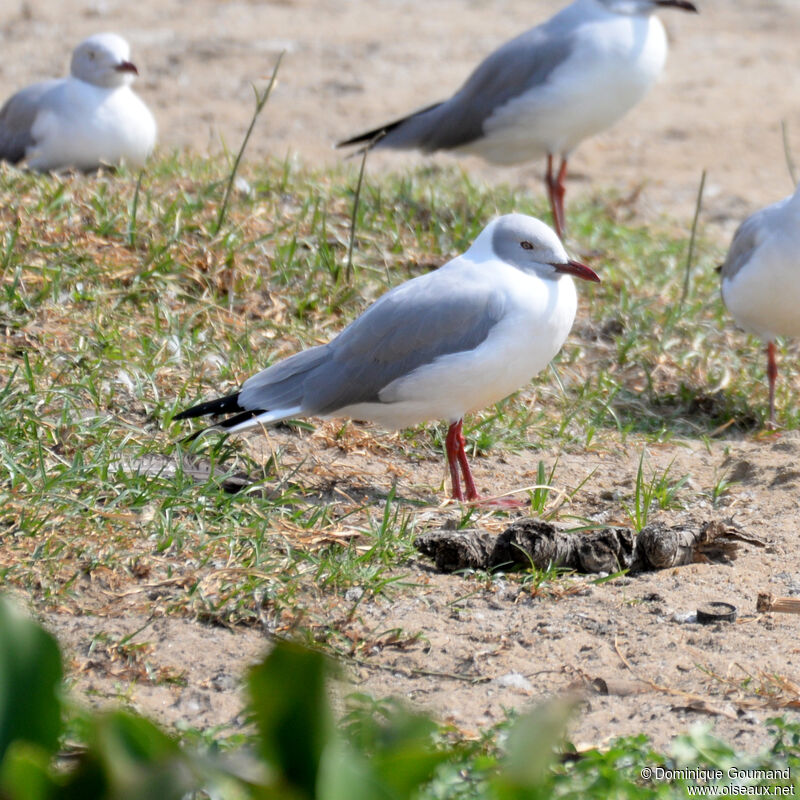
103, 60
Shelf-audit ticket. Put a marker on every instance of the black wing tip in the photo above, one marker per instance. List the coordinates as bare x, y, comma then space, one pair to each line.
349, 142
369, 139
221, 405
223, 425
12, 158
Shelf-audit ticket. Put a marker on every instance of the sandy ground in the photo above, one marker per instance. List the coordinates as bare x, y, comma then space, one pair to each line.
351, 64
469, 648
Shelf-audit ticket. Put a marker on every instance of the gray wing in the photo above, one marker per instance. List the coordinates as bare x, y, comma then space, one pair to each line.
17, 117
515, 68
747, 238
283, 384
408, 327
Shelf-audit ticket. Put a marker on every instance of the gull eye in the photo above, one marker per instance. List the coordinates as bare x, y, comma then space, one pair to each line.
526, 245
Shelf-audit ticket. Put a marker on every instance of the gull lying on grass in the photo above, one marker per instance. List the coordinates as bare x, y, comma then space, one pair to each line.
436, 347
543, 92
84, 121
761, 278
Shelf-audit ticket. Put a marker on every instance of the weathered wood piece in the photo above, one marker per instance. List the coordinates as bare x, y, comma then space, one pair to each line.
525, 543
659, 546
531, 542
784, 605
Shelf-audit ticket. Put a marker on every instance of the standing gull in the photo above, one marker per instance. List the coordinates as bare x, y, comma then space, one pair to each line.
545, 91
436, 347
83, 121
761, 278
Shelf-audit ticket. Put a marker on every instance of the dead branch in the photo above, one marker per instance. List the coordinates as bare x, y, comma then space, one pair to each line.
540, 544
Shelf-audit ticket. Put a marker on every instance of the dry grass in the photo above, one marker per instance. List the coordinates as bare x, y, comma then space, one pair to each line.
110, 323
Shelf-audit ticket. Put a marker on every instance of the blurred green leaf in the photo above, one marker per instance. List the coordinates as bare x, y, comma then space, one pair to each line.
346, 773
129, 758
30, 675
529, 751
403, 753
24, 774
291, 709
391, 755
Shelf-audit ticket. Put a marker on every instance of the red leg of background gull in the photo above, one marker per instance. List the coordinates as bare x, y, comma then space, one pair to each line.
469, 483
550, 182
555, 193
772, 375
561, 191
453, 444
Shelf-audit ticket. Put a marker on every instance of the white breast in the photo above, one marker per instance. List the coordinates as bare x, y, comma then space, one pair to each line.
85, 126
539, 317
764, 295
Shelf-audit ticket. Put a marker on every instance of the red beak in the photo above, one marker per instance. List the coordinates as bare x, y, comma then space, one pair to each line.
578, 270
127, 66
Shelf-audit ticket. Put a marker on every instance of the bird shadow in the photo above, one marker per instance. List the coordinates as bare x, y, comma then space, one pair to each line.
690, 411
361, 494
266, 483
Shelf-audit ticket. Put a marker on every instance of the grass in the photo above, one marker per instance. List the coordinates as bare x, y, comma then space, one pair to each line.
657, 492
122, 301
293, 745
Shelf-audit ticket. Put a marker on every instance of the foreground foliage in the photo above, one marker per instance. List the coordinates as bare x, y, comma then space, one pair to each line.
297, 750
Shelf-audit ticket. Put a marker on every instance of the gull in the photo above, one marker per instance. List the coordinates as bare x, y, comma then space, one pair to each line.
543, 92
761, 278
83, 121
439, 346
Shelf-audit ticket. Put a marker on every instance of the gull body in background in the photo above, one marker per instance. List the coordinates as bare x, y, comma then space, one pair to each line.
436, 347
84, 121
543, 92
761, 278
